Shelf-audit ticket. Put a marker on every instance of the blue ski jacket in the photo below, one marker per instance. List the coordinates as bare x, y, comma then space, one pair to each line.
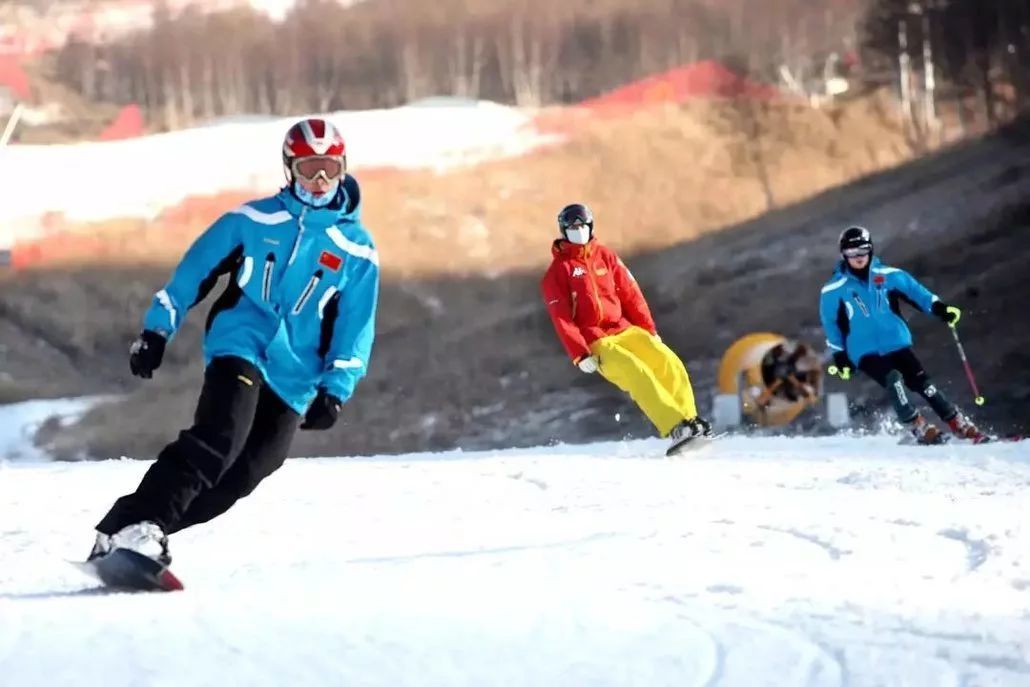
863, 316
302, 298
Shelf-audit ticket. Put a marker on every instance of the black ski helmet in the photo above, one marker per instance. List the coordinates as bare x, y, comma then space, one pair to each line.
856, 238
576, 213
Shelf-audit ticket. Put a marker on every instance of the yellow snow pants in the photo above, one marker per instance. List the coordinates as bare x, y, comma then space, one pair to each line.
651, 373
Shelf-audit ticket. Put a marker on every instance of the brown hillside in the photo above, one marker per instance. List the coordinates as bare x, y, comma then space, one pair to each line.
654, 178
472, 361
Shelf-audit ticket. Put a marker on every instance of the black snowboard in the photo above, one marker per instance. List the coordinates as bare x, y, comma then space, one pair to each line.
131, 571
690, 444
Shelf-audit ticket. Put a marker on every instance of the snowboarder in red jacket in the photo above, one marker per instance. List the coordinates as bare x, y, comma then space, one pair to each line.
604, 324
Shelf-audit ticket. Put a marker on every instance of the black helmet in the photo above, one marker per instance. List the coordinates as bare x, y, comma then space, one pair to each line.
856, 240
574, 214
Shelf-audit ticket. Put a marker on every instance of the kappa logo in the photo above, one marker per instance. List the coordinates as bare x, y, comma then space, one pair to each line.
578, 272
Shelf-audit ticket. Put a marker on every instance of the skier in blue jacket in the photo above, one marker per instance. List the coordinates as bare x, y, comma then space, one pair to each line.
860, 309
289, 337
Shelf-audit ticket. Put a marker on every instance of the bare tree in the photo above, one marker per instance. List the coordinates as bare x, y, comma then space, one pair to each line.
465, 63
953, 47
534, 52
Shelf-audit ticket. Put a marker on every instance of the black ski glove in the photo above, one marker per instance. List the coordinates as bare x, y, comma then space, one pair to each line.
323, 411
145, 353
948, 314
841, 365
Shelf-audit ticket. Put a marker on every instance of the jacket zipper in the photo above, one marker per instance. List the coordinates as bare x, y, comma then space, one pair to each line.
296, 241
266, 280
593, 285
306, 293
870, 315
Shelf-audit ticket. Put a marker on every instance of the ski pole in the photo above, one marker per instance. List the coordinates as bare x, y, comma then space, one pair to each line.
978, 400
12, 122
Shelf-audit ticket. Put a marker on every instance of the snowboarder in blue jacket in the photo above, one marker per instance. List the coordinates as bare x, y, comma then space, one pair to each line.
860, 309
289, 338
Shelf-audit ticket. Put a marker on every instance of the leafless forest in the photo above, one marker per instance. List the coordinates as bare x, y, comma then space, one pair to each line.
380, 53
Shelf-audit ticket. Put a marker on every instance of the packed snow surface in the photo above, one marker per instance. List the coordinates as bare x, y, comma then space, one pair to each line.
815, 562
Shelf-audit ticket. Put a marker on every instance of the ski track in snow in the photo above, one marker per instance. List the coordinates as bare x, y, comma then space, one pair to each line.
831, 562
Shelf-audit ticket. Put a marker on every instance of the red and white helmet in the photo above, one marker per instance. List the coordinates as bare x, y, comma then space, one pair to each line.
319, 140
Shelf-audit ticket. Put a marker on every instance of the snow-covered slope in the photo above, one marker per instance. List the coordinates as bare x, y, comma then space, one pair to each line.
20, 421
753, 562
140, 177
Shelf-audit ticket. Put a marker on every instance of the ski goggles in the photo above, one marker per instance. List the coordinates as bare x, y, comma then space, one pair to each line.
857, 252
574, 221
310, 168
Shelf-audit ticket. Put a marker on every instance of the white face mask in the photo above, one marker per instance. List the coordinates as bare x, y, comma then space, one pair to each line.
578, 234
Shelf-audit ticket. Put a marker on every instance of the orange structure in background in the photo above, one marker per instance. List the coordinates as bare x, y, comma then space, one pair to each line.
775, 377
128, 123
705, 79
14, 78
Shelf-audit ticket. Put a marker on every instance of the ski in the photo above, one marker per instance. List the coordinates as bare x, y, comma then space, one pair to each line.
949, 440
1006, 439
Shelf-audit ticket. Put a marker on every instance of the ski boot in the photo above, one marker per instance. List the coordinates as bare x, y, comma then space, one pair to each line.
144, 537
101, 547
688, 430
926, 433
964, 428
694, 427
702, 427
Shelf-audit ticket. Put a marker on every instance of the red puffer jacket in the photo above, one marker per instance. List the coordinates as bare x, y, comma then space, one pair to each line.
590, 294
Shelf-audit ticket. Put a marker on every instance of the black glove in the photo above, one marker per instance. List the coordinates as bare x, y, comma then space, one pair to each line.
948, 314
323, 411
841, 365
145, 353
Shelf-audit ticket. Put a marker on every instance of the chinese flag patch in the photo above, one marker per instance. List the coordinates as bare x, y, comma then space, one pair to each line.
330, 260
879, 279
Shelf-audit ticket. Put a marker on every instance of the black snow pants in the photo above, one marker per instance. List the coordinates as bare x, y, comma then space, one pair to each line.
241, 434
900, 369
